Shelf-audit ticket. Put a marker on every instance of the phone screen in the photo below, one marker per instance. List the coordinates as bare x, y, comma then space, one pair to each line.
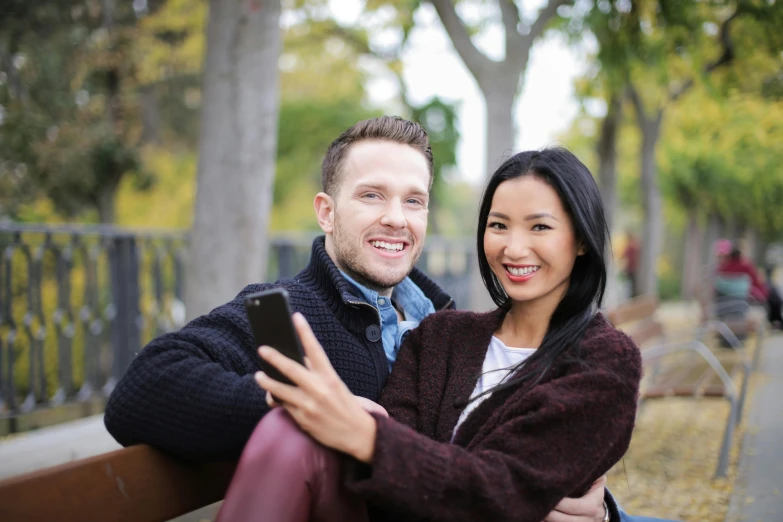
270, 320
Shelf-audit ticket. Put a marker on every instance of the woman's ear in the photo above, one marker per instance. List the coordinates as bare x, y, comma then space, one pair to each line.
582, 250
324, 211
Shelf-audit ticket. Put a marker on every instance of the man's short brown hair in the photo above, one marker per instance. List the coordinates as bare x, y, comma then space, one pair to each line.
385, 128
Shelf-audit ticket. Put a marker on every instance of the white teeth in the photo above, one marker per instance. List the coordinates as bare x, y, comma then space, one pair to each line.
522, 271
391, 247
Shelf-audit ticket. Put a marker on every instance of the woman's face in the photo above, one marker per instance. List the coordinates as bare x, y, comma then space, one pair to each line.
530, 242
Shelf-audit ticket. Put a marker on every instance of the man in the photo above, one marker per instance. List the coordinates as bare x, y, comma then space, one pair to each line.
192, 393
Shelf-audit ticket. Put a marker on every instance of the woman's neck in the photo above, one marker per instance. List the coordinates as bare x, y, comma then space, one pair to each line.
524, 326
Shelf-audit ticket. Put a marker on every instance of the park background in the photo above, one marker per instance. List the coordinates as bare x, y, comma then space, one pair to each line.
213, 117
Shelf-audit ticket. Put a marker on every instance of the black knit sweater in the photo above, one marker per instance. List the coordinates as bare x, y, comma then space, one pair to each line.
192, 393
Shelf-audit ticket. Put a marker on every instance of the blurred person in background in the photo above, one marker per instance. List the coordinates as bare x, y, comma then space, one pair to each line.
630, 258
733, 263
774, 300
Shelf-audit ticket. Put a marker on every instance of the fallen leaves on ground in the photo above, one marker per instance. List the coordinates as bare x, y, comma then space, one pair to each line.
668, 470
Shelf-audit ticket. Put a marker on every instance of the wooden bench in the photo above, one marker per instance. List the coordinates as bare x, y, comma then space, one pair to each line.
135, 484
685, 367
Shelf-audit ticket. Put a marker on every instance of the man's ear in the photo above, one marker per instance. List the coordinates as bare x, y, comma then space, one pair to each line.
324, 211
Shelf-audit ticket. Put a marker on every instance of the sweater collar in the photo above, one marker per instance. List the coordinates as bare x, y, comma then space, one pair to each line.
323, 275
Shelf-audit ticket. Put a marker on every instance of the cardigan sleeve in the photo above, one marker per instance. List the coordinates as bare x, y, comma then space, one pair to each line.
191, 393
565, 434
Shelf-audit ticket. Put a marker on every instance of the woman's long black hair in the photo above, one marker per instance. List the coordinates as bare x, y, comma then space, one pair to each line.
581, 199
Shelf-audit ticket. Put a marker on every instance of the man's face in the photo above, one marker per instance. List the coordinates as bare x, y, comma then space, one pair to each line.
377, 220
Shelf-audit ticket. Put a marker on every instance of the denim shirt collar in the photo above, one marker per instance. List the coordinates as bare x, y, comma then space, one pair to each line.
415, 305
406, 294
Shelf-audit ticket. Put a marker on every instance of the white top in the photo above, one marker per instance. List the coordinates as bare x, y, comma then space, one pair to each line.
498, 364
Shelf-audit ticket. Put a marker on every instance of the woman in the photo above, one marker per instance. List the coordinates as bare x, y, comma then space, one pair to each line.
493, 416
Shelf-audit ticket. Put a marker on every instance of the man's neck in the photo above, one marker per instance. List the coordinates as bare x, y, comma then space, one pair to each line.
385, 292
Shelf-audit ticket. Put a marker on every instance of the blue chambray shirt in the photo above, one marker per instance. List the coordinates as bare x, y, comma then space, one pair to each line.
416, 306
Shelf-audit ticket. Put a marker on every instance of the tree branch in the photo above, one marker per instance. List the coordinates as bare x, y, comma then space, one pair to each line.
360, 45
460, 39
726, 57
636, 100
510, 15
544, 16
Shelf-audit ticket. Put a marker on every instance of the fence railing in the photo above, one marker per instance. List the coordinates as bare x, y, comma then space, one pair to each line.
77, 302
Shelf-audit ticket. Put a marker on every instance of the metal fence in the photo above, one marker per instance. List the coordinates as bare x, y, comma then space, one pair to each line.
77, 302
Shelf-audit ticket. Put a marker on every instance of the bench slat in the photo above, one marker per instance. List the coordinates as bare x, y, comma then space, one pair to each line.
640, 334
636, 309
131, 484
658, 392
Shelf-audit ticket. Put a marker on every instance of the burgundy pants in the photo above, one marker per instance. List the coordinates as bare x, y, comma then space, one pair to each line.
286, 476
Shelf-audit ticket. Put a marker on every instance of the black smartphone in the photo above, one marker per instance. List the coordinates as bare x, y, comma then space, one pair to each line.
270, 319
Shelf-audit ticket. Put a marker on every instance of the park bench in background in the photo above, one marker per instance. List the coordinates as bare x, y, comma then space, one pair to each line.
135, 484
685, 366
740, 314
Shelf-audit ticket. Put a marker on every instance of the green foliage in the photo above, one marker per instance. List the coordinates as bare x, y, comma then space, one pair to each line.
722, 156
440, 120
66, 140
669, 286
69, 132
306, 129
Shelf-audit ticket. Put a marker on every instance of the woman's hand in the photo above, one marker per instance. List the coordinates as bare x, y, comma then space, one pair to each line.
320, 403
370, 406
367, 404
589, 508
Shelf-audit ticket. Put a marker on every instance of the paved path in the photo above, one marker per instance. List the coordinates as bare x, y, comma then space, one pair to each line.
54, 445
758, 492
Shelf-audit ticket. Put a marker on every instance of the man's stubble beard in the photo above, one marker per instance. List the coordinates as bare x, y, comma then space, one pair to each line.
348, 251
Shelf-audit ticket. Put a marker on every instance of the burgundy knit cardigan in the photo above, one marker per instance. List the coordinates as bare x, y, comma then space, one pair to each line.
519, 452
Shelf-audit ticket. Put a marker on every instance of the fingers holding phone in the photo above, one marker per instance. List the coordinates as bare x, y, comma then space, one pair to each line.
270, 320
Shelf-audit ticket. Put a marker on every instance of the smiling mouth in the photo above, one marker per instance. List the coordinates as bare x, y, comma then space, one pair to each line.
385, 246
521, 271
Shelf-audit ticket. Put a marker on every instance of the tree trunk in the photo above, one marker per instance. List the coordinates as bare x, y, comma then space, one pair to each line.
499, 97
752, 245
237, 152
714, 232
694, 237
761, 251
731, 228
606, 149
499, 83
105, 204
150, 115
653, 207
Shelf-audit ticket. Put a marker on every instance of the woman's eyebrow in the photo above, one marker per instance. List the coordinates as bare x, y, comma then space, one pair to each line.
498, 215
540, 215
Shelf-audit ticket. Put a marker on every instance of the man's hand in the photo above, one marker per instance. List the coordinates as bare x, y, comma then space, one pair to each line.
589, 508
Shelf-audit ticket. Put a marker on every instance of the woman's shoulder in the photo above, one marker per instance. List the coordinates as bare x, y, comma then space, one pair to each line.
461, 320
604, 343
